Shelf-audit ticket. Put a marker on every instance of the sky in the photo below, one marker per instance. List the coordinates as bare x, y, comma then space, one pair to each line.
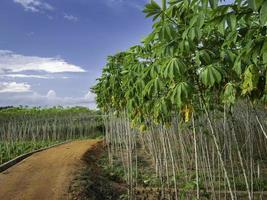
52, 51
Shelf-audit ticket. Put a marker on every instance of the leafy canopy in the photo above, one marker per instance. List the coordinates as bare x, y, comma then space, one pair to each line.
197, 49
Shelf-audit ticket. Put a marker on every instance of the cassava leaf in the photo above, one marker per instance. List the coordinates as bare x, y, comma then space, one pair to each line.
250, 81
210, 75
174, 68
229, 94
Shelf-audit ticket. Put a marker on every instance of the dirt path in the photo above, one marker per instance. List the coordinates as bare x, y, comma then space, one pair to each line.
45, 175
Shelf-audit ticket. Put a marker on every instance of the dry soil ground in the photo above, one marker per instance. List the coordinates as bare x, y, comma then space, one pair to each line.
45, 175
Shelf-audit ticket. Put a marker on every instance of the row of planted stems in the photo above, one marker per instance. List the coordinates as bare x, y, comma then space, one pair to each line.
25, 130
217, 155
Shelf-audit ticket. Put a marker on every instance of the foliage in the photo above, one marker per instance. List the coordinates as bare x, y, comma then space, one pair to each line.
198, 50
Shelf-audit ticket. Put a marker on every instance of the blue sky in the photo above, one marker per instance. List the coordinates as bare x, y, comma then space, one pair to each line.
51, 51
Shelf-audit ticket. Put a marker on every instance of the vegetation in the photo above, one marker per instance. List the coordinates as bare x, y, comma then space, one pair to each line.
193, 96
27, 129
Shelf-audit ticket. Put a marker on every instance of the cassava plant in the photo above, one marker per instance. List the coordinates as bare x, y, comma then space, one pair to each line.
203, 59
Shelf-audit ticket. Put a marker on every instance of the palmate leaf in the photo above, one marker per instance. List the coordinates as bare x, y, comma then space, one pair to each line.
174, 68
153, 87
166, 32
152, 9
210, 75
229, 94
251, 79
181, 94
205, 56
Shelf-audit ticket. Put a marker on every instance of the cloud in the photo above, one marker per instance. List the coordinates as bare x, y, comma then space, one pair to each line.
90, 96
30, 76
71, 17
51, 94
13, 87
11, 62
115, 4
34, 5
48, 100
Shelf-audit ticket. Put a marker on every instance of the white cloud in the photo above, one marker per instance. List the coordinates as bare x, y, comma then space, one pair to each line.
31, 76
90, 96
50, 99
34, 5
51, 94
71, 17
13, 87
12, 62
25, 76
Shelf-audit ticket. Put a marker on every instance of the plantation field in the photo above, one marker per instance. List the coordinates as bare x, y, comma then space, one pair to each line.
27, 129
184, 113
192, 95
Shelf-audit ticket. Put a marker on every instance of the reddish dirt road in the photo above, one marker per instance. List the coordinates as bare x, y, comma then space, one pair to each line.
45, 175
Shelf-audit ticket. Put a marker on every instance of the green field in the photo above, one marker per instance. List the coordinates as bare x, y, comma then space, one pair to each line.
27, 129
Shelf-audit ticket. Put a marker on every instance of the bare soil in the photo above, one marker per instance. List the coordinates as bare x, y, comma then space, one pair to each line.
46, 175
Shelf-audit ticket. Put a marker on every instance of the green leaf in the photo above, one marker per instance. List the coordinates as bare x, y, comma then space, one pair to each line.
264, 52
221, 26
174, 68
263, 14
154, 71
213, 3
210, 75
229, 94
252, 4
181, 94
237, 67
152, 9
153, 87
166, 33
192, 34
204, 55
231, 20
251, 79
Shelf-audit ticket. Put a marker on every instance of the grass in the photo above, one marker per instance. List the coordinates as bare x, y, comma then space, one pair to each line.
10, 150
